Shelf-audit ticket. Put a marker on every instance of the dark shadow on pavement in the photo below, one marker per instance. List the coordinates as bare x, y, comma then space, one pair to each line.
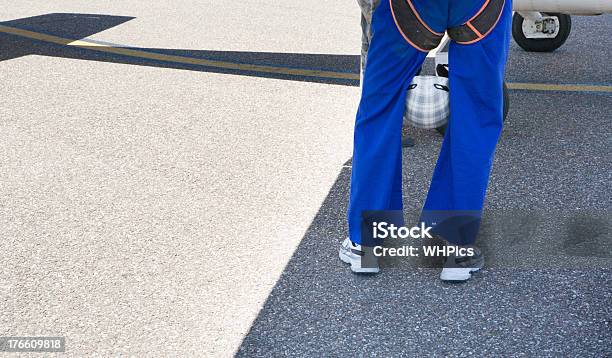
318, 308
70, 26
522, 66
79, 26
546, 289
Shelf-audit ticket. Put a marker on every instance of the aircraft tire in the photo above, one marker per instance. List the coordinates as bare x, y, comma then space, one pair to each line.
541, 45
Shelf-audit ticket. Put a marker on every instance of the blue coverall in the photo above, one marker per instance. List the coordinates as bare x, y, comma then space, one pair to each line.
457, 191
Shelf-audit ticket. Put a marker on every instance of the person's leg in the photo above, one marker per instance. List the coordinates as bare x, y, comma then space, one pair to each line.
376, 168
367, 9
458, 187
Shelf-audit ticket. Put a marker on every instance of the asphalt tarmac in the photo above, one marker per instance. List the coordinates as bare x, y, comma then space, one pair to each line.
160, 206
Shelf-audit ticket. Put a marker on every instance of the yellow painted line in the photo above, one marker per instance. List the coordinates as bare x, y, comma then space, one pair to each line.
34, 35
262, 68
562, 88
85, 43
178, 59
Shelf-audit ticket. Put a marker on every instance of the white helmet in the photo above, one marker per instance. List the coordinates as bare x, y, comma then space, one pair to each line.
427, 102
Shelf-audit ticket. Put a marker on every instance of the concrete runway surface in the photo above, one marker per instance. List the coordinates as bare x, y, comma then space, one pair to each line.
155, 208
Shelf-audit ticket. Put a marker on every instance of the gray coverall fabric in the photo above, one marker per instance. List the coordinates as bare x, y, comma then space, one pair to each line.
367, 9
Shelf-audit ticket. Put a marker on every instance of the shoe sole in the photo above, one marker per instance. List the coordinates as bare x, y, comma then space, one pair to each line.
344, 258
458, 274
360, 270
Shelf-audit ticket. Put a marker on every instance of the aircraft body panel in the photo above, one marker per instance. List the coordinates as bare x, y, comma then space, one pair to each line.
577, 7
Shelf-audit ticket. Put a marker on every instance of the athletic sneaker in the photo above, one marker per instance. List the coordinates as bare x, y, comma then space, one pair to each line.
460, 268
361, 258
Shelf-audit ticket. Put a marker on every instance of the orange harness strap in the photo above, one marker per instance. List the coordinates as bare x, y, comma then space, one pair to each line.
480, 25
412, 27
416, 32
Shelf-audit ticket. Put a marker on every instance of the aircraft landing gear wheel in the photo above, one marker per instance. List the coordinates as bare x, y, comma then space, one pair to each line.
442, 129
544, 35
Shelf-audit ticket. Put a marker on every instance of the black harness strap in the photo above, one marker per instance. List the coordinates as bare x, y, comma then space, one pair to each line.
480, 25
412, 28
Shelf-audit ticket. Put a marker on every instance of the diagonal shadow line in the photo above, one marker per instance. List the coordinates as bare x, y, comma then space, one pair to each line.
65, 28
68, 25
65, 25
318, 305
60, 34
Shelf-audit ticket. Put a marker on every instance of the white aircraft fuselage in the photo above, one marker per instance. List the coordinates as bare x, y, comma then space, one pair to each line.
573, 7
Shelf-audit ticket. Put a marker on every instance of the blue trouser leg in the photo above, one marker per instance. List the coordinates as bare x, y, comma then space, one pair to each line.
458, 187
376, 179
